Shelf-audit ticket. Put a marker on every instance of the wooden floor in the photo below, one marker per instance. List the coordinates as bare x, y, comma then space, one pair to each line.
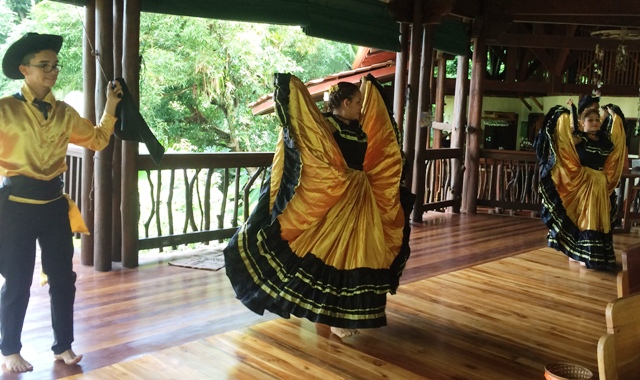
522, 307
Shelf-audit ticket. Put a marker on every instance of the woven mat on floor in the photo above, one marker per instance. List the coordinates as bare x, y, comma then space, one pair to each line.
207, 261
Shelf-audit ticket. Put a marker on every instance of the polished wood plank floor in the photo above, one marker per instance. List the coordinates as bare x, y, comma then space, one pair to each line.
500, 319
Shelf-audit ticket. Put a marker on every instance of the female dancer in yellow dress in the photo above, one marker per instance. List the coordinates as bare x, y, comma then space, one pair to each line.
579, 171
328, 238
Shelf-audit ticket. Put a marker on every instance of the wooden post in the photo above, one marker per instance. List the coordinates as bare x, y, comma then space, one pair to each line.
103, 170
424, 105
412, 98
116, 199
89, 86
425, 98
458, 121
131, 74
474, 132
439, 115
400, 81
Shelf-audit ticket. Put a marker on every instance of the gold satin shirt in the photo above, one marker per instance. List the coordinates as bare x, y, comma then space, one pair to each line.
37, 148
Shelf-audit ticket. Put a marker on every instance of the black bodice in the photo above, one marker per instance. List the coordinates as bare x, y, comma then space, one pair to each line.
351, 140
594, 153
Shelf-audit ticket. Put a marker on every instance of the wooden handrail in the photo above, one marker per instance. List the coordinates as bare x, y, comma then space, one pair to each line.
219, 183
200, 197
208, 179
509, 181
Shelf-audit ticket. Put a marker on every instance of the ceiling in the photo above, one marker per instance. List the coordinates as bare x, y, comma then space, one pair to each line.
548, 24
357, 22
523, 36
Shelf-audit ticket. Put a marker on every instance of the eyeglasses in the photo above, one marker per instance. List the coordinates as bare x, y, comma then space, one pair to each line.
47, 68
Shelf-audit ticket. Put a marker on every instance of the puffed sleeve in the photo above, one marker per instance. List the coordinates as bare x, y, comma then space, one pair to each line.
87, 135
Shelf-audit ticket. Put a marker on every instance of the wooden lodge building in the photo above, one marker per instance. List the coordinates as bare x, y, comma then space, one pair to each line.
514, 62
482, 298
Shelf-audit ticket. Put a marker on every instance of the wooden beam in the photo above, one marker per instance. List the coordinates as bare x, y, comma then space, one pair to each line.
502, 88
412, 106
439, 116
545, 59
177, 161
511, 65
466, 8
400, 79
525, 103
541, 53
458, 121
474, 132
537, 102
600, 21
563, 54
129, 181
89, 87
102, 245
618, 8
116, 171
523, 72
404, 11
558, 42
425, 90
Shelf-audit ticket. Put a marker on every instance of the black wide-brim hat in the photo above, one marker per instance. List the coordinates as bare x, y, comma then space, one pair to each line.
29, 43
586, 102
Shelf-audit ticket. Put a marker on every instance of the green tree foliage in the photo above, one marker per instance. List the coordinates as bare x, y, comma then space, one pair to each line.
198, 76
21, 8
52, 18
8, 18
8, 22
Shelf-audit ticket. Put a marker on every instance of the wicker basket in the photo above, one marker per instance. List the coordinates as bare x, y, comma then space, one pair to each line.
566, 371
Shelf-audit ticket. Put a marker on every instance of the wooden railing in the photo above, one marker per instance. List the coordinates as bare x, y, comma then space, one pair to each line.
72, 177
189, 198
443, 180
197, 197
201, 197
508, 181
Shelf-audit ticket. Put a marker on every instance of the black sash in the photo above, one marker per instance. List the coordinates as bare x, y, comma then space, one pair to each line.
30, 188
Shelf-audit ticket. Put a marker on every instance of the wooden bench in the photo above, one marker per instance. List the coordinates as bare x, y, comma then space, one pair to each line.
627, 191
628, 279
619, 349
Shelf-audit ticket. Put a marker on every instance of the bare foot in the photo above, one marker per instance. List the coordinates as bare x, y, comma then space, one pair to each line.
344, 333
69, 357
16, 363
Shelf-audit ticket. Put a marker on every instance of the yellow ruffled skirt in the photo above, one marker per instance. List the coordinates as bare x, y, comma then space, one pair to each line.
325, 242
579, 203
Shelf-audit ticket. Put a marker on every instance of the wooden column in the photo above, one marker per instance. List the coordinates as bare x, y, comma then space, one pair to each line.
425, 98
458, 121
439, 114
424, 105
474, 131
400, 81
116, 199
411, 109
131, 74
103, 184
89, 112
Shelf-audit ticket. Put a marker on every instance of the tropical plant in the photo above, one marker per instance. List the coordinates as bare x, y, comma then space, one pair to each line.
198, 76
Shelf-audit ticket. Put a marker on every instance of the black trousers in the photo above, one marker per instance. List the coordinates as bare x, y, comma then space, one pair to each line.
21, 225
